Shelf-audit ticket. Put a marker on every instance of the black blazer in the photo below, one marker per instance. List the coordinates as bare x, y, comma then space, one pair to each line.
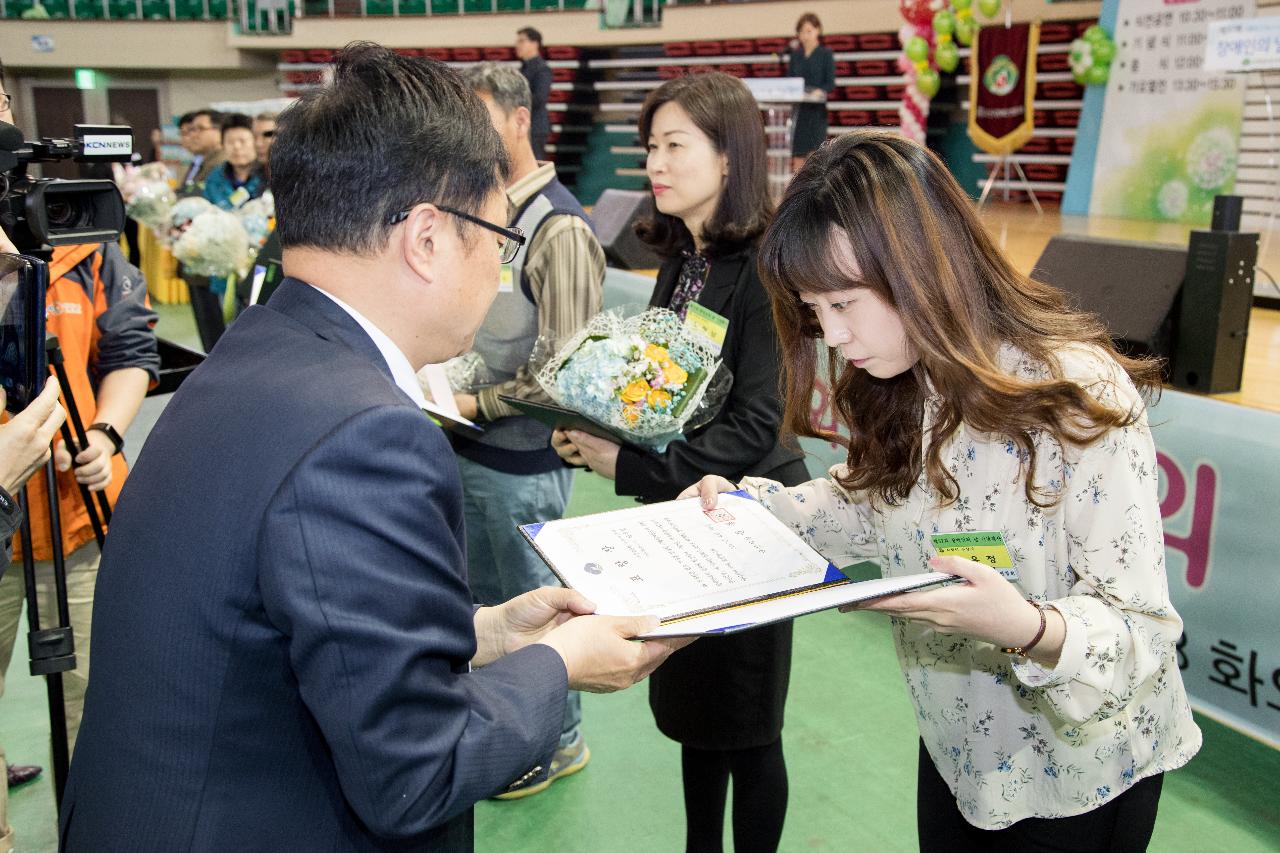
742, 440
539, 75
281, 638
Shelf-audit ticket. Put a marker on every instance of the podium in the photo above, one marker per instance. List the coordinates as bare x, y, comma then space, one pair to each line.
777, 98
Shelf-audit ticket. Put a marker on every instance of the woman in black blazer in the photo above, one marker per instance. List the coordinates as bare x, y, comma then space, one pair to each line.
817, 65
722, 698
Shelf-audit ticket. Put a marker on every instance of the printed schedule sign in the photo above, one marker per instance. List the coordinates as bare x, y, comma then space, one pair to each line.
1170, 135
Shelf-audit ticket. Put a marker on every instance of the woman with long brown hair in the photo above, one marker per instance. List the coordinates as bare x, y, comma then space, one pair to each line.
721, 698
1049, 700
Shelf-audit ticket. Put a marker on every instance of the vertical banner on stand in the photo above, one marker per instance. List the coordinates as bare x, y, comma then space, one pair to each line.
1170, 137
1002, 87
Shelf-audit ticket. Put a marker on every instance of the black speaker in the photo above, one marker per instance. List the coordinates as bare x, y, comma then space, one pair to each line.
1213, 322
615, 214
1132, 286
1227, 210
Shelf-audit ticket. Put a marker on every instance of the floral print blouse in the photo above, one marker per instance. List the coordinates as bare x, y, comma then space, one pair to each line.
1012, 738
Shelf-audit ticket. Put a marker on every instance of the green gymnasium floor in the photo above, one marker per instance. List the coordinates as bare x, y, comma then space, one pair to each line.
850, 742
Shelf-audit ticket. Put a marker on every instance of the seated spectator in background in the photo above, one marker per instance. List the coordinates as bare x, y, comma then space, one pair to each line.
241, 176
264, 133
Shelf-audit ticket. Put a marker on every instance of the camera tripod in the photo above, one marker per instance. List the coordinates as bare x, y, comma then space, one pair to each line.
52, 650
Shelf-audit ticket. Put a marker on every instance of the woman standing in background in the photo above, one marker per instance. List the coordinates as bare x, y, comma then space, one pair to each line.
817, 65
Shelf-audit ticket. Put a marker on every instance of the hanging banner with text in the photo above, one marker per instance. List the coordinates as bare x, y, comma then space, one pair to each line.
1002, 87
1170, 136
1219, 478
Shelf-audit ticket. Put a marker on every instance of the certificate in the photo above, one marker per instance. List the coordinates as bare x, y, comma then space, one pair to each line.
701, 571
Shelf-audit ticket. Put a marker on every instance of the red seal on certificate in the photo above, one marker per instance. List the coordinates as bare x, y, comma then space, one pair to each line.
719, 515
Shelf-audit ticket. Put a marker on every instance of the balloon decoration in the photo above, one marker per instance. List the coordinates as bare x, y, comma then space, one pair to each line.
1091, 57
931, 39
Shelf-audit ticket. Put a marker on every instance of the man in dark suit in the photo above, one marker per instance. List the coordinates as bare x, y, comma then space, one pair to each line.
202, 138
285, 654
538, 73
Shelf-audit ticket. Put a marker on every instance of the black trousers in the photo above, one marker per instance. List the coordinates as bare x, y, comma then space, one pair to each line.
1123, 825
207, 307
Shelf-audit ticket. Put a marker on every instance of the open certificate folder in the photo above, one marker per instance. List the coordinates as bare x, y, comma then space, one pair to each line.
701, 572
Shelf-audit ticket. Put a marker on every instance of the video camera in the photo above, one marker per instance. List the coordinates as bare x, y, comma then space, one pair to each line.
40, 213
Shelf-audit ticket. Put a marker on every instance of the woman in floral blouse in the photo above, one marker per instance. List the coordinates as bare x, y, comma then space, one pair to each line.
976, 399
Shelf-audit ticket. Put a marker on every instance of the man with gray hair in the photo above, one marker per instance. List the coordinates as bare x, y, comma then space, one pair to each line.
510, 471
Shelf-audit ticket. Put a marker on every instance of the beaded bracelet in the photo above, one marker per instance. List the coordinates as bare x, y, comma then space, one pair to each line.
1022, 651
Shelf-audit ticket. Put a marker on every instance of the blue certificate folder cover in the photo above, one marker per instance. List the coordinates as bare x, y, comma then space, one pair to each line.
833, 578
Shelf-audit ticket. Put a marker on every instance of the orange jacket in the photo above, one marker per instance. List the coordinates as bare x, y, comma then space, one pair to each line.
97, 306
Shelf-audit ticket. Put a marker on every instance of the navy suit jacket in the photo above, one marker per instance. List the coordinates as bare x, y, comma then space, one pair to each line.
282, 624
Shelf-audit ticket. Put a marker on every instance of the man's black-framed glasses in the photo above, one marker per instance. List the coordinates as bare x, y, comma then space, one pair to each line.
512, 238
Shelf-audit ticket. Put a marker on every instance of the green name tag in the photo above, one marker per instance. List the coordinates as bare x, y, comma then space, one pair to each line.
707, 323
987, 548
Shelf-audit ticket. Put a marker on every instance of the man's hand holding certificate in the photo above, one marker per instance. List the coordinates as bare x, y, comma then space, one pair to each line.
700, 570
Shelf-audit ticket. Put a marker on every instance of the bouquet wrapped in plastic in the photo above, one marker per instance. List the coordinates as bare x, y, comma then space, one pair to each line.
645, 375
148, 198
215, 244
467, 373
256, 215
183, 213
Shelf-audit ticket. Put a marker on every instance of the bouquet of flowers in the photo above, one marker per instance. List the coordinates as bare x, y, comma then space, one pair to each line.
215, 244
256, 215
646, 376
148, 198
183, 213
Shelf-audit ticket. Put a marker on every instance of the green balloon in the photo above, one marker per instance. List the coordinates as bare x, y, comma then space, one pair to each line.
944, 23
1096, 34
928, 82
965, 31
1103, 53
1097, 76
961, 5
989, 8
947, 56
917, 49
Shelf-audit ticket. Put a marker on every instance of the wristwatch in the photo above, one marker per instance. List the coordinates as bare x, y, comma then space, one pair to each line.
110, 432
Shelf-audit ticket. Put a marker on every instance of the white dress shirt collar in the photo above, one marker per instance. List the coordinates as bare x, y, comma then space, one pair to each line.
401, 371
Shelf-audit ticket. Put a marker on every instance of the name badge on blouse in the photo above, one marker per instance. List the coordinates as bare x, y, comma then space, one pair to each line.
708, 324
238, 197
507, 279
987, 548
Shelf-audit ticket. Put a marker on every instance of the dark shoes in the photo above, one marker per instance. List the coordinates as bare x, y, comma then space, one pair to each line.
21, 774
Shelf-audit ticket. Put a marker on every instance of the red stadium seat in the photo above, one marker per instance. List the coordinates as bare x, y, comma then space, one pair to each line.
563, 51
1064, 90
739, 47
437, 53
708, 48
677, 48
466, 54
877, 41
873, 68
771, 45
841, 42
1055, 32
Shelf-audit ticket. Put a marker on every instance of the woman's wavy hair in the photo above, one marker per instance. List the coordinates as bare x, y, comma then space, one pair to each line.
721, 107
920, 246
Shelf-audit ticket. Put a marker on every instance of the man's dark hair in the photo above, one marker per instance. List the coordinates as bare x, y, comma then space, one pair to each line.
215, 117
390, 132
531, 34
234, 120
